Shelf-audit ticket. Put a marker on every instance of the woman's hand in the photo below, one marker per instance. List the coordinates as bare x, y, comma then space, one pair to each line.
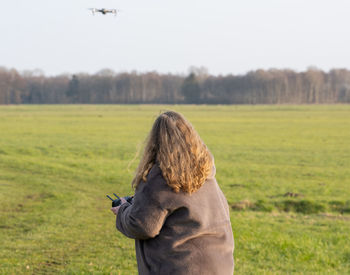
115, 210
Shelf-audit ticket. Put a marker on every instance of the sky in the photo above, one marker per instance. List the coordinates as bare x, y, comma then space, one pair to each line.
168, 36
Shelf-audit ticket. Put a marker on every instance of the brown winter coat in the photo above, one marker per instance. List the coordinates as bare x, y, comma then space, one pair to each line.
178, 233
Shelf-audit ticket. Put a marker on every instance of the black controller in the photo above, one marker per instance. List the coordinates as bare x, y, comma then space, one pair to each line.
118, 200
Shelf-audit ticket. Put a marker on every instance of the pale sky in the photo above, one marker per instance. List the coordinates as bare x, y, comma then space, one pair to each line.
226, 36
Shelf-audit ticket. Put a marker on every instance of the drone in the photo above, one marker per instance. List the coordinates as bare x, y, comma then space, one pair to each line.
104, 11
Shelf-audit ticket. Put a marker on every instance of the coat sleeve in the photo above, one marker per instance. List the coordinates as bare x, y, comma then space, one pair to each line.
144, 218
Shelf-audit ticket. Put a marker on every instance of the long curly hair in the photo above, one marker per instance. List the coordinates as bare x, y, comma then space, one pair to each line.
184, 159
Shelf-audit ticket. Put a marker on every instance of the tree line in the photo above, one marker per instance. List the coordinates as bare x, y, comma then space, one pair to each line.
272, 86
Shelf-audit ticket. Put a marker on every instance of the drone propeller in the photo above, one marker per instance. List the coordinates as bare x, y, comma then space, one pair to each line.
115, 11
93, 10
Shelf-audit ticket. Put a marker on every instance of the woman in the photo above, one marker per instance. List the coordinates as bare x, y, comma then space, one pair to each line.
179, 217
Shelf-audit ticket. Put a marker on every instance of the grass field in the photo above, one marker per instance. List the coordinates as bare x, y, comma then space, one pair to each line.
285, 171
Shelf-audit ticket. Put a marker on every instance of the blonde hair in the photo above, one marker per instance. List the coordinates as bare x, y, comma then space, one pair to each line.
182, 156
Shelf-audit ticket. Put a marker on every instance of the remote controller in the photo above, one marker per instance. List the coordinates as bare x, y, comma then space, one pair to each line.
118, 201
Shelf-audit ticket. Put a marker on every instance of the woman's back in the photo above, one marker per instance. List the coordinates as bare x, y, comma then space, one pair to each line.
179, 233
179, 217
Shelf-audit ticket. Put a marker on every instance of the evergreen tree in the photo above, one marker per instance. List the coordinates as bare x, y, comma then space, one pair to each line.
191, 90
73, 89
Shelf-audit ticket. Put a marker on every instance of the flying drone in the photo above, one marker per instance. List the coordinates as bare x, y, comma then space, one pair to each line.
104, 11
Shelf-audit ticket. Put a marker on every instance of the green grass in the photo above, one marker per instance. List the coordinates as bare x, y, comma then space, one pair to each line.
58, 162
